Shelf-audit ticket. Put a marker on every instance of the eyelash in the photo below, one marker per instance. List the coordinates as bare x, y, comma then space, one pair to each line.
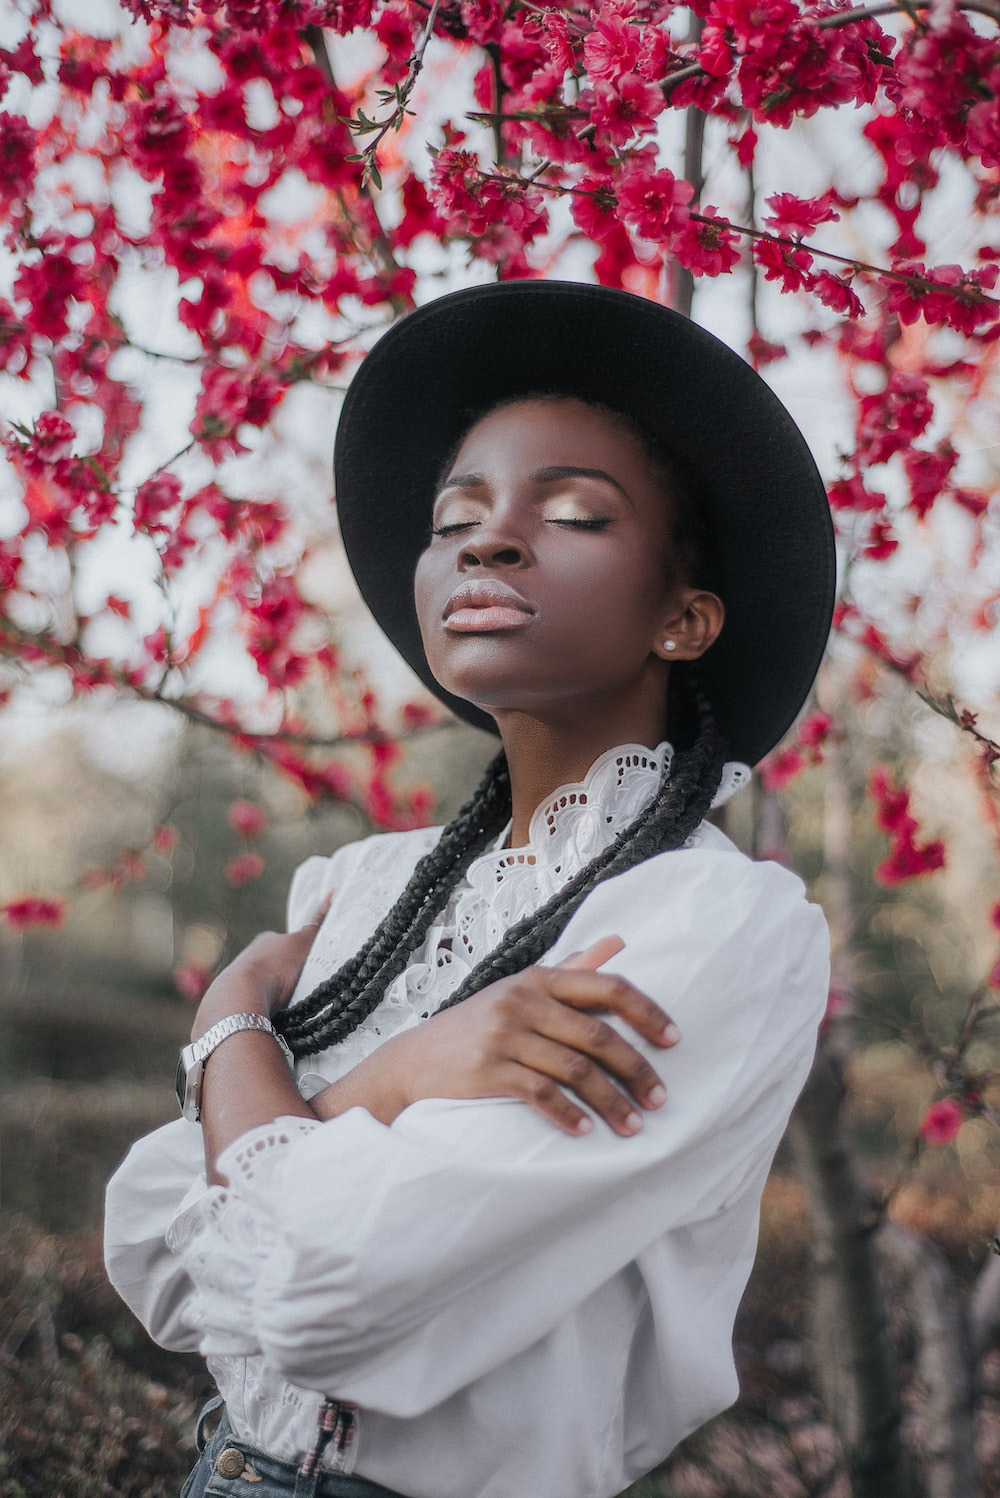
595, 523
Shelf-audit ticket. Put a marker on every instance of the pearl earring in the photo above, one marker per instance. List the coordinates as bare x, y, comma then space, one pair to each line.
670, 644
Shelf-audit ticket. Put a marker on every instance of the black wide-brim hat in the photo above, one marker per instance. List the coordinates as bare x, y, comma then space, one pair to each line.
441, 367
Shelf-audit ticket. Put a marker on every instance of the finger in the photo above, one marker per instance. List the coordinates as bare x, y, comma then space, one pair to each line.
546, 1098
610, 991
585, 1080
594, 956
598, 1047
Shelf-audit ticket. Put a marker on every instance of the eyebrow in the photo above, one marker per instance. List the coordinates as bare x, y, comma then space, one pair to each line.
550, 475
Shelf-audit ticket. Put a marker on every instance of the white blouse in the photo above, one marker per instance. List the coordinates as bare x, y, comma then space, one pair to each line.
517, 1313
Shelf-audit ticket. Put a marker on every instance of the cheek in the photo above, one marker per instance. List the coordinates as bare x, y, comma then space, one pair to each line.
424, 593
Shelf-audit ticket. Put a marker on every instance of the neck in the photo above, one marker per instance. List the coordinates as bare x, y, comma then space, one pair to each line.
544, 754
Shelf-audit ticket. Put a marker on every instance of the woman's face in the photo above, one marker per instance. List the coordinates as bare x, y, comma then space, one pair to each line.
550, 582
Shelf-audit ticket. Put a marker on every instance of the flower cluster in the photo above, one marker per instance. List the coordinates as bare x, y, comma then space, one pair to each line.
218, 150
907, 858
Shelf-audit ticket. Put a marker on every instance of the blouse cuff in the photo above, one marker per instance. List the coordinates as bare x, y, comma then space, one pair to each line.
225, 1237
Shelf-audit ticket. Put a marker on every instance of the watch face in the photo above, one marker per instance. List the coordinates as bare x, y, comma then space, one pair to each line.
187, 1099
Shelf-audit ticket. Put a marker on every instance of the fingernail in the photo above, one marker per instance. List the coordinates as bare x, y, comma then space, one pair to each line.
584, 1126
656, 1095
632, 1122
671, 1034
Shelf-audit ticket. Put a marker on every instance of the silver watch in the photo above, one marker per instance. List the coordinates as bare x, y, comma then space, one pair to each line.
191, 1064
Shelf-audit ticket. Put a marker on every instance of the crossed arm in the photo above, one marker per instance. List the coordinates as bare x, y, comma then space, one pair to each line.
528, 1036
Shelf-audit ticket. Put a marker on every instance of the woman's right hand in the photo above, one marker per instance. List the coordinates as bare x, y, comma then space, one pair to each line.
537, 1036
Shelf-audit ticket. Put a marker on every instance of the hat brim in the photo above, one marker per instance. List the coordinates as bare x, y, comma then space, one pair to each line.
439, 368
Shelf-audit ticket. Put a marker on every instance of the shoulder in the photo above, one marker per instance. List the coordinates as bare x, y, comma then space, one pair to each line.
712, 875
385, 854
707, 918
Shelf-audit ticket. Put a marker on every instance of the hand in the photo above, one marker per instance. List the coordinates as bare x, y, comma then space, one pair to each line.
262, 979
528, 1037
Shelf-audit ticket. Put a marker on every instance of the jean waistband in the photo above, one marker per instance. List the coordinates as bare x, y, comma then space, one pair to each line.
232, 1463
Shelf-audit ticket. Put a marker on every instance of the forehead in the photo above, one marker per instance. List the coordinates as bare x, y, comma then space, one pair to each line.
557, 430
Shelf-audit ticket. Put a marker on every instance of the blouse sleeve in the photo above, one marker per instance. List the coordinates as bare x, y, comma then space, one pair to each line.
403, 1262
162, 1180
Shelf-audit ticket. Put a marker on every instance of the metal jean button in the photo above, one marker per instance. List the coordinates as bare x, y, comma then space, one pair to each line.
230, 1463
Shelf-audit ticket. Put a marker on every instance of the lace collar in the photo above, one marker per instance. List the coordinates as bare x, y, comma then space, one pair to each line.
612, 793
582, 817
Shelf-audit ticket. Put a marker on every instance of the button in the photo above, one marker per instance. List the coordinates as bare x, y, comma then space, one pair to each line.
231, 1462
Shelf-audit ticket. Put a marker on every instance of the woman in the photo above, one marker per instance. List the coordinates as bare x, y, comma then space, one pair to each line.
487, 1240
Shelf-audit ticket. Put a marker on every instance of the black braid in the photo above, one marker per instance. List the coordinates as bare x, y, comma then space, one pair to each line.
338, 1005
686, 791
336, 1008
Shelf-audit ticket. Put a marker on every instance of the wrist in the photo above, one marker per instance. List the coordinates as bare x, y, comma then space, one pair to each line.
223, 998
194, 1058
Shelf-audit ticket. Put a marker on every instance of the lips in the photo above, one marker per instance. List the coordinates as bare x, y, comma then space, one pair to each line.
481, 606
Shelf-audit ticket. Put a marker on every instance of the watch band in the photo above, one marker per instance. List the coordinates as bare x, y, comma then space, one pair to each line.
191, 1064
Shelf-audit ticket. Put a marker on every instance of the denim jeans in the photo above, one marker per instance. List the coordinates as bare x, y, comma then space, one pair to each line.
231, 1468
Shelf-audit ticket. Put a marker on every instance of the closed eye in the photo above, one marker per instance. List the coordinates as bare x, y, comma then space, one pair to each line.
453, 527
590, 523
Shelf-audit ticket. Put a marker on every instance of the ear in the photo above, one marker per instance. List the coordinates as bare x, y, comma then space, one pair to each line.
693, 624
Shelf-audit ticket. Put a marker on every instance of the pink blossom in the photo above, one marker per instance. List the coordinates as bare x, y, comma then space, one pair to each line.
654, 203
815, 730
781, 767
192, 981
611, 47
49, 285
784, 263
891, 420
941, 1122
946, 294
483, 20
17, 160
797, 217
836, 293
244, 868
907, 860
973, 500
851, 494
154, 502
928, 473
706, 245
31, 910
247, 818
165, 838
881, 541
714, 52
554, 34
594, 208
892, 803
621, 110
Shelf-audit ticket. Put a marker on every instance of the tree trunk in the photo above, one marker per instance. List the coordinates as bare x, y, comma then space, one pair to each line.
852, 1357
849, 1347
984, 1307
945, 1365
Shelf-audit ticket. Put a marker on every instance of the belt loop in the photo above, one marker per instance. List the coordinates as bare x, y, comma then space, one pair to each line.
200, 1438
334, 1423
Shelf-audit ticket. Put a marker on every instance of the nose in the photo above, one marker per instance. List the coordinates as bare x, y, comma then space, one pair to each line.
493, 543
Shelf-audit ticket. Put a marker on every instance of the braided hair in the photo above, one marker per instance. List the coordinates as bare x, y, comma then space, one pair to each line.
688, 784
338, 1005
